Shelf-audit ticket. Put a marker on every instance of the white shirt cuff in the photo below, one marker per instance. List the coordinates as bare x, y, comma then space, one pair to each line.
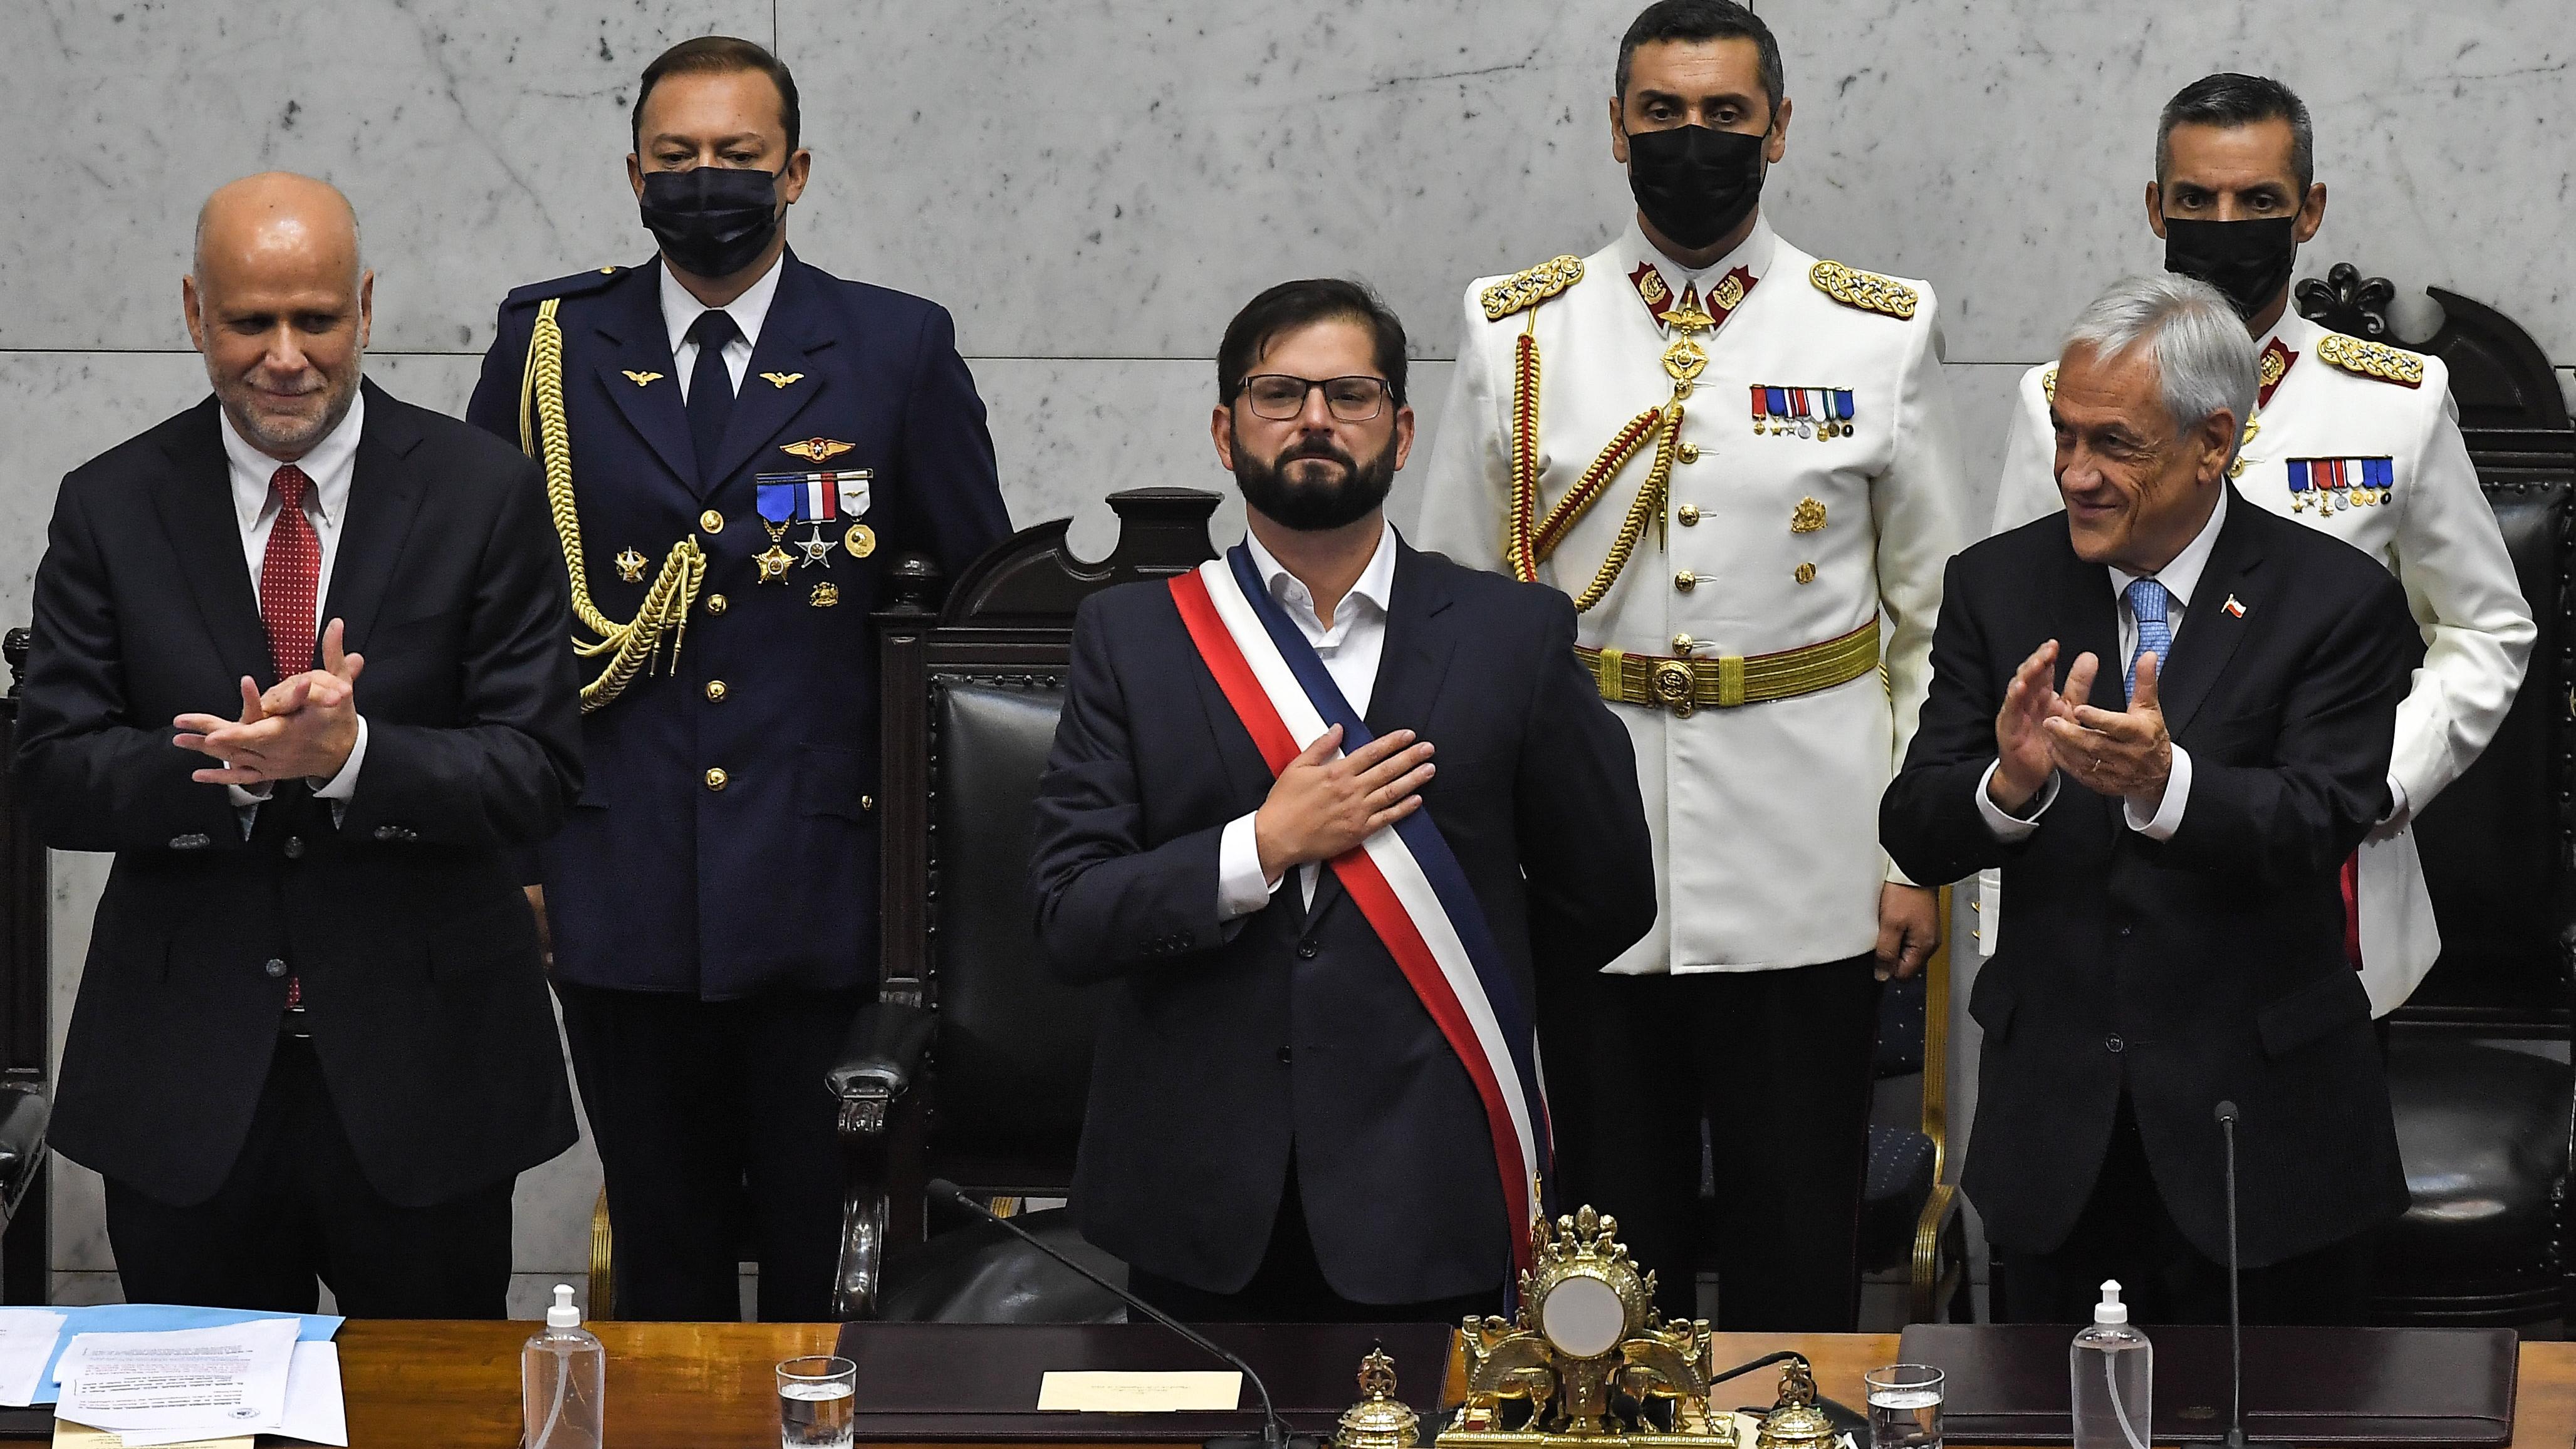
246, 799
1240, 886
2396, 802
2168, 816
2011, 828
343, 787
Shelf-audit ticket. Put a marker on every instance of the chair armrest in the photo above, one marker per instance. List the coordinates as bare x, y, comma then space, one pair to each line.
878, 1062
1932, 1278
24, 1112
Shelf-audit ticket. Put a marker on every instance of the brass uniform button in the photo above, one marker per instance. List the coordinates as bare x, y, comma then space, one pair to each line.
1687, 452
867, 803
1806, 573
716, 604
1688, 513
711, 521
1682, 643
1686, 581
717, 779
715, 691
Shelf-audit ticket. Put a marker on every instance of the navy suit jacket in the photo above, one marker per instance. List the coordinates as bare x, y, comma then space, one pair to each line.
2203, 968
658, 882
1226, 1046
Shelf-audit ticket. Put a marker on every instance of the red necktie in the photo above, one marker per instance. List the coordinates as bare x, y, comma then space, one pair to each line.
289, 576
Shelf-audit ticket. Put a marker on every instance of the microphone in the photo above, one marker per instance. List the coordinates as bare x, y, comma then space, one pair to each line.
2235, 1329
1274, 1431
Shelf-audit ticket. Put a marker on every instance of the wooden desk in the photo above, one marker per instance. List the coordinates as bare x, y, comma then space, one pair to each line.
710, 1385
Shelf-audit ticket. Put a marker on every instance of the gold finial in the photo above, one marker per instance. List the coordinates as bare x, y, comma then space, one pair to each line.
1379, 1420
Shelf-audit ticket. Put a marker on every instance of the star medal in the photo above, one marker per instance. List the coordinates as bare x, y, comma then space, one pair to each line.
816, 548
630, 566
774, 563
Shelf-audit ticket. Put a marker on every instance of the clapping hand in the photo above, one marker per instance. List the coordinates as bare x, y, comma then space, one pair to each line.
2124, 753
304, 726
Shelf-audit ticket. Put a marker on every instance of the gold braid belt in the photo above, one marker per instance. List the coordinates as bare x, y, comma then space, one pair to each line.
1683, 685
637, 643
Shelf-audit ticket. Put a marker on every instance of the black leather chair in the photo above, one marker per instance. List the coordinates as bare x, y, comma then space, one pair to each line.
2478, 1058
26, 1020
974, 1062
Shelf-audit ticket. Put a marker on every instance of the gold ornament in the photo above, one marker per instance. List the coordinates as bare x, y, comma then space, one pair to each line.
1379, 1420
774, 563
630, 566
1528, 288
780, 379
1865, 291
1807, 517
643, 379
824, 596
861, 540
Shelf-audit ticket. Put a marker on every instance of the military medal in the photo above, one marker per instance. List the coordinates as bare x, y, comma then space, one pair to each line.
1809, 412
2331, 485
630, 566
774, 562
861, 540
817, 549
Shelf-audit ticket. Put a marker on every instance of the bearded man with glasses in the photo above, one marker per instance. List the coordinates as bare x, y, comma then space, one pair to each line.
1314, 1093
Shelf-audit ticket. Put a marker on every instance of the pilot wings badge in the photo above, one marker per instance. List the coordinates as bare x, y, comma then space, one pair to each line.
816, 450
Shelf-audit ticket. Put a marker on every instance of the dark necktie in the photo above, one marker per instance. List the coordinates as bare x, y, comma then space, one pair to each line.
289, 575
710, 388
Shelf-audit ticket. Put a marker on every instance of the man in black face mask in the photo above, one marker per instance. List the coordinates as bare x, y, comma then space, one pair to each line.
735, 443
2357, 438
1736, 457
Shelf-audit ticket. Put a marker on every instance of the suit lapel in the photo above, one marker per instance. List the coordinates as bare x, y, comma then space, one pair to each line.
2210, 633
782, 380
639, 346
384, 498
195, 502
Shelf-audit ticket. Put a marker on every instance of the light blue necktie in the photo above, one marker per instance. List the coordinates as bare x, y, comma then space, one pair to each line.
2147, 603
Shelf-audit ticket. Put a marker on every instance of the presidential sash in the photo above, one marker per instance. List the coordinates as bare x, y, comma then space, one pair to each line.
1404, 879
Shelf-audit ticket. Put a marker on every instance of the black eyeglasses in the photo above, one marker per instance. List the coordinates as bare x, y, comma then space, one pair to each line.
1280, 397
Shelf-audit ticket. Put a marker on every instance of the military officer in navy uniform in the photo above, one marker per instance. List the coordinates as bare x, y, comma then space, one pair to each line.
734, 444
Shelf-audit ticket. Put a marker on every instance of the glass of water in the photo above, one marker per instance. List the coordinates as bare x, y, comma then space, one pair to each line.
1904, 1406
815, 1398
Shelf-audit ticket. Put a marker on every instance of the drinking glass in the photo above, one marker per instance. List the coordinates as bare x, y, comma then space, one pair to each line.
816, 1397
1904, 1406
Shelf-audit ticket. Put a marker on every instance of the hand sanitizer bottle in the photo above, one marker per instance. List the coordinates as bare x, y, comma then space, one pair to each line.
2114, 1375
563, 1381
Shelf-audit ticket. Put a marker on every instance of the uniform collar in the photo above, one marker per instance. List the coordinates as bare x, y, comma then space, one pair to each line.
2182, 576
1753, 255
1376, 583
331, 463
2293, 331
681, 309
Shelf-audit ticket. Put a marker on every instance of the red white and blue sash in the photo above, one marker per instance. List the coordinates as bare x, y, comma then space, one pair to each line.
1404, 879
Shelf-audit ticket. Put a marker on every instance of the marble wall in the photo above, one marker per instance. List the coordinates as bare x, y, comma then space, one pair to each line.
1092, 187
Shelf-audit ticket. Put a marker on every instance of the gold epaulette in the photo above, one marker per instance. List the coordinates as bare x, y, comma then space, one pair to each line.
1523, 290
2048, 384
1865, 291
2372, 359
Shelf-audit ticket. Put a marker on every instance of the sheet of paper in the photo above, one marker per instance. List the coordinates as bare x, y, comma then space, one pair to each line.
170, 1387
27, 1340
160, 1317
1097, 1392
68, 1435
315, 1412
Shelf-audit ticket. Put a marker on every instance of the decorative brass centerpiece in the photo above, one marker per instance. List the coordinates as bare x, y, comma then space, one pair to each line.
1379, 1420
1589, 1361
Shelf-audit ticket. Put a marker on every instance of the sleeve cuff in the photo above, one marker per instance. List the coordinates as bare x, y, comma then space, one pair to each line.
343, 787
2012, 828
2397, 801
2168, 816
244, 799
1240, 887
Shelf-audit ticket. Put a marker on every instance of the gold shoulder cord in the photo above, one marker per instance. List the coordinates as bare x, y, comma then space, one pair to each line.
636, 644
1533, 543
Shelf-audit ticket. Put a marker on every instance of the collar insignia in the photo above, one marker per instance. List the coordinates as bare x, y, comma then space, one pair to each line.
2275, 364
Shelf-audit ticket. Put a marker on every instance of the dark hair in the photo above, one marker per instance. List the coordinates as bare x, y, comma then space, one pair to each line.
1704, 20
2228, 100
715, 55
1291, 305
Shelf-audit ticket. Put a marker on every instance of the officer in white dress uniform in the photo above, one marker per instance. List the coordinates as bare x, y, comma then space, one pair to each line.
1737, 459
2357, 438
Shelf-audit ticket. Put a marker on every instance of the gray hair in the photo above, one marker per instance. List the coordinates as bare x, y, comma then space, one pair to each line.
2205, 363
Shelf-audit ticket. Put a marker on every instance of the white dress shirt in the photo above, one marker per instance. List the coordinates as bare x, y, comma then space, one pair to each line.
2180, 578
1350, 647
681, 310
331, 465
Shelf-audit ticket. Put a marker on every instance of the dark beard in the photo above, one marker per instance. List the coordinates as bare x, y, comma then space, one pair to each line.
1313, 507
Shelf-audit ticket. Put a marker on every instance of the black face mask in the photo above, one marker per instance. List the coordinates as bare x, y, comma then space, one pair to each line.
2250, 261
1313, 507
1695, 184
712, 221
